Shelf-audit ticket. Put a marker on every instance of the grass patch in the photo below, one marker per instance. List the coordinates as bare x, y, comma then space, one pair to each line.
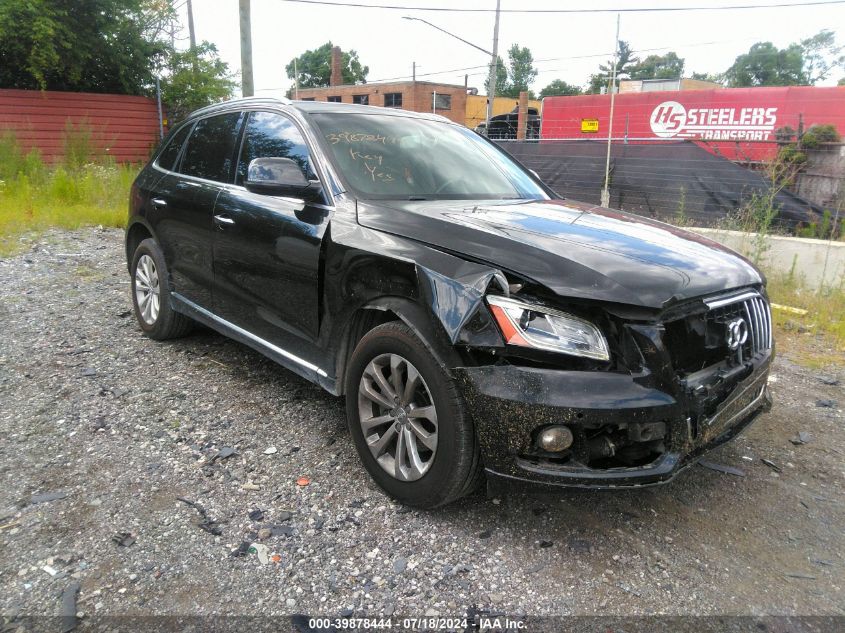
35, 197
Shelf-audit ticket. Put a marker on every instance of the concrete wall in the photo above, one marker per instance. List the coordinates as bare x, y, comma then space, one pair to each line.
823, 178
782, 254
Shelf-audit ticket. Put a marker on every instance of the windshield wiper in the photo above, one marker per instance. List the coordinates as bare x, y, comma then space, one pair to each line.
417, 198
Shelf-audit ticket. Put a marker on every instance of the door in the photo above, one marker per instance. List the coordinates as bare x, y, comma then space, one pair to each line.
183, 203
267, 248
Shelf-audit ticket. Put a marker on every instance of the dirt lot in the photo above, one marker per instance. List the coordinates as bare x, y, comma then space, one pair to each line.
122, 427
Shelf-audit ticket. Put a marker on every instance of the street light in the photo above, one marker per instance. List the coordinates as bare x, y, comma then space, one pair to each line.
491, 90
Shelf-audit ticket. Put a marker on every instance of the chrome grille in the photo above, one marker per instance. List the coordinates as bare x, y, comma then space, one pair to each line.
757, 315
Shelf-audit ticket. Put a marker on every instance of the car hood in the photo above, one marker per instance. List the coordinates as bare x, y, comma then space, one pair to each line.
574, 249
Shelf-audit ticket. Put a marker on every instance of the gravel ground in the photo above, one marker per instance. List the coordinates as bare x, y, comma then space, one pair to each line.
124, 427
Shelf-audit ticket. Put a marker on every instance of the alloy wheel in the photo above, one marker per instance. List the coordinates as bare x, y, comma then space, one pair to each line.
397, 417
147, 289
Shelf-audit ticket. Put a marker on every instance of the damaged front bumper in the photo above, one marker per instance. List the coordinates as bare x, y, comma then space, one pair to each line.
511, 404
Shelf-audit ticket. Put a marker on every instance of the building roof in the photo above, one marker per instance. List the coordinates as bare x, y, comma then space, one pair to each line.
388, 83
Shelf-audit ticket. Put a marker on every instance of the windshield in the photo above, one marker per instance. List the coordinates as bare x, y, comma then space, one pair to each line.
400, 157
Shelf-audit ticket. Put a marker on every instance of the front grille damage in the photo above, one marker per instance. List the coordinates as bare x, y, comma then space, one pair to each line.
711, 348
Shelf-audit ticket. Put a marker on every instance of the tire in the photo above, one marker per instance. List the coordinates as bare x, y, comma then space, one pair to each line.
445, 469
151, 295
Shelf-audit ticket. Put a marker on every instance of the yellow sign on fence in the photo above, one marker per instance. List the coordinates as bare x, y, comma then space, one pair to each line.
589, 125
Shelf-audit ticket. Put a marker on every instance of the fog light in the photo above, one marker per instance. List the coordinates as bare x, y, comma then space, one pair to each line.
555, 439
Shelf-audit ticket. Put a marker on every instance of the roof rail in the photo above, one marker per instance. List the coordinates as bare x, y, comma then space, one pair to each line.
244, 100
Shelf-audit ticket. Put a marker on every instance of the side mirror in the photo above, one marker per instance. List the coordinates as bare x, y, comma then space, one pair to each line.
280, 177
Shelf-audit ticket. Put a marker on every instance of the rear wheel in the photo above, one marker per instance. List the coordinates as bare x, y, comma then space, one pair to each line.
408, 420
151, 295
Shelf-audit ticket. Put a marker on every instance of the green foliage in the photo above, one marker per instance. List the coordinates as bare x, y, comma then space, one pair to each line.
625, 60
766, 65
501, 77
78, 143
86, 45
195, 78
521, 72
818, 134
821, 56
34, 197
668, 66
314, 67
559, 88
802, 63
841, 82
716, 79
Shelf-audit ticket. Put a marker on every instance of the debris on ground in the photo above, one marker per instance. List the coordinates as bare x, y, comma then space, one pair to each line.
224, 453
829, 380
68, 608
47, 496
241, 550
722, 468
123, 539
261, 551
302, 481
790, 309
802, 438
826, 403
771, 465
205, 523
546, 544
256, 515
270, 450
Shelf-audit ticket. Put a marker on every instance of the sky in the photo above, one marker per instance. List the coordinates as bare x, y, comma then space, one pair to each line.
564, 46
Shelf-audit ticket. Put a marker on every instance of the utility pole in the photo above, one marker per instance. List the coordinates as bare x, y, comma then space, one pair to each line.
414, 71
494, 68
605, 193
247, 86
191, 25
193, 37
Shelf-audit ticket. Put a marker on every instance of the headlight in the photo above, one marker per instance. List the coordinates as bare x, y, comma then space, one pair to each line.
534, 326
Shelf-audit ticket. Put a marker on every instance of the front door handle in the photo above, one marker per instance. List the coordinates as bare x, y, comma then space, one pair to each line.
223, 220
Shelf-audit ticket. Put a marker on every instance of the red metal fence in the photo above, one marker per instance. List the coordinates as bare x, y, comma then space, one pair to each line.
123, 127
738, 123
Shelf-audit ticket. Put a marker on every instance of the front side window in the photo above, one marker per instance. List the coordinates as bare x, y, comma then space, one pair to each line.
211, 148
168, 156
384, 156
393, 100
271, 135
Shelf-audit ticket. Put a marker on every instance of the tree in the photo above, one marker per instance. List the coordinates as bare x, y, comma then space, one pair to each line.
668, 66
501, 78
314, 68
821, 56
193, 79
559, 88
624, 60
841, 82
521, 73
87, 45
712, 77
766, 65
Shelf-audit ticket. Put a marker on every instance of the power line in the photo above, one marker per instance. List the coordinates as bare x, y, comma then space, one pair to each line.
361, 5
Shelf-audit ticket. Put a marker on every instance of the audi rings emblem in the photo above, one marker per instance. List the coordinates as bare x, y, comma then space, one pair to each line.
736, 333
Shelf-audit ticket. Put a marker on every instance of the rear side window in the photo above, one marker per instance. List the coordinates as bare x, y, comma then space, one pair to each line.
211, 148
271, 135
168, 156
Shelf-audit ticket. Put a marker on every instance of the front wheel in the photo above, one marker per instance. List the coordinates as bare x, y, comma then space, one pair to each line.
408, 420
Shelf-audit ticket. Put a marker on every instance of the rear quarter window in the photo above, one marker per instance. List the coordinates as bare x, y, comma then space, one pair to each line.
167, 157
211, 147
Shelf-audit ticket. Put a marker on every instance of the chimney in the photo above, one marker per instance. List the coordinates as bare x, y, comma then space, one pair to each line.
337, 64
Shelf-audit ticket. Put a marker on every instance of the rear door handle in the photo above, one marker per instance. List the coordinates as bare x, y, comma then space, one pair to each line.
223, 220
158, 203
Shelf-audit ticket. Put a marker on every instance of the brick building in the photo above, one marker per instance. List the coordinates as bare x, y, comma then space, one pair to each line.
448, 100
